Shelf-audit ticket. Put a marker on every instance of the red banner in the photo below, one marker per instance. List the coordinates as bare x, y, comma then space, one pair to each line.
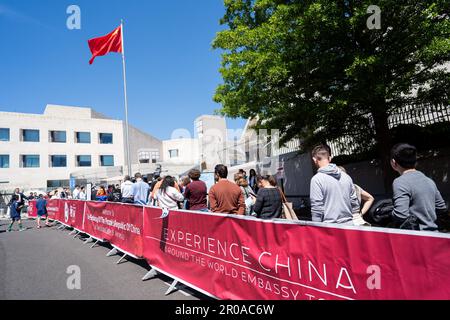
31, 210
245, 258
119, 224
72, 213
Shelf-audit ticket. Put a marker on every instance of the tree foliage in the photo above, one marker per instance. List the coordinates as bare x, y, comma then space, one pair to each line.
314, 70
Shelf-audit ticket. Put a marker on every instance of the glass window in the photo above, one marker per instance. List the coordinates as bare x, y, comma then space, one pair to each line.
83, 161
107, 161
30, 135
30, 161
83, 137
4, 161
58, 161
58, 136
58, 184
106, 138
4, 134
173, 153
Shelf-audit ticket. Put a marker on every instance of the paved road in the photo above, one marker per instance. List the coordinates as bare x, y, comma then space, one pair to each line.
33, 265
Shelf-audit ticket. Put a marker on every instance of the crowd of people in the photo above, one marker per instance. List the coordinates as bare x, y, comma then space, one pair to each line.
334, 197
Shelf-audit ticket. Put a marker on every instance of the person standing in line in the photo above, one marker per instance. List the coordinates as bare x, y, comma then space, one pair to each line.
249, 195
76, 193
332, 194
82, 195
140, 190
55, 194
417, 200
365, 201
101, 194
252, 181
268, 204
196, 192
14, 211
168, 196
127, 190
225, 196
158, 185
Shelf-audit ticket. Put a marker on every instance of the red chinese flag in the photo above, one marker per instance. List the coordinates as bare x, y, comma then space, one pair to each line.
110, 43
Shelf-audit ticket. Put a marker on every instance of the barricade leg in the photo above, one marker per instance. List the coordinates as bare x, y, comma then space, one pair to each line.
93, 245
72, 232
88, 240
151, 274
112, 252
172, 287
76, 234
121, 258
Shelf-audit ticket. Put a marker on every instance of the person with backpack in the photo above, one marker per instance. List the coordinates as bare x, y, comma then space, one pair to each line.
417, 201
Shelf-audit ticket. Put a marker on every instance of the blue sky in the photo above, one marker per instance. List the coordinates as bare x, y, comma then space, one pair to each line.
172, 71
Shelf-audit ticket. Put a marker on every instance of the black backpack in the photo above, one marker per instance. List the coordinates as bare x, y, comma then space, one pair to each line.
381, 212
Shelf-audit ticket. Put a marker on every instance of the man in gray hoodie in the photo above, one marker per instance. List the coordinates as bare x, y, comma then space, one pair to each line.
333, 197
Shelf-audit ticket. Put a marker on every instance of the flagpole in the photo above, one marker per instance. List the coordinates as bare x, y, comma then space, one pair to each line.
127, 140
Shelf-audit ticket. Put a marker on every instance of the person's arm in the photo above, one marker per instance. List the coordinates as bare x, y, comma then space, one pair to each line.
368, 200
441, 207
177, 195
402, 198
241, 203
356, 208
317, 201
212, 200
258, 203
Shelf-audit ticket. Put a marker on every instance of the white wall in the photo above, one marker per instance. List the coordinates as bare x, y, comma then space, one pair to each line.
188, 151
58, 118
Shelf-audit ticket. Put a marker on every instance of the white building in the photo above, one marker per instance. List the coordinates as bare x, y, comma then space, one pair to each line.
41, 151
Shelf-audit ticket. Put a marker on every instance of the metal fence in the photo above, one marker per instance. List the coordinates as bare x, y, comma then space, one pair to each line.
422, 115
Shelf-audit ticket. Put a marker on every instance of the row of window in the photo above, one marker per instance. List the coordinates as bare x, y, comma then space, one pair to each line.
56, 161
33, 135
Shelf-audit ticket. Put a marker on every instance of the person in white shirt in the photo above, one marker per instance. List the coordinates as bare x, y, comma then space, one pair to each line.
76, 193
168, 196
126, 189
82, 194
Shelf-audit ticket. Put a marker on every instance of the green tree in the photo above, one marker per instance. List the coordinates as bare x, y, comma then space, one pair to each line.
314, 70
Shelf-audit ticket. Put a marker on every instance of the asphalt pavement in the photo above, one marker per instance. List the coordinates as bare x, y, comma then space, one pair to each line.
34, 265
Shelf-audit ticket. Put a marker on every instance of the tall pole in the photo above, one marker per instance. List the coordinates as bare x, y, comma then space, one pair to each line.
127, 139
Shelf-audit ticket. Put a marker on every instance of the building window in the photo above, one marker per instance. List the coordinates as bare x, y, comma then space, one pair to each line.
30, 135
107, 161
148, 156
173, 153
4, 161
53, 184
58, 136
83, 161
58, 161
30, 161
4, 134
83, 137
106, 138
